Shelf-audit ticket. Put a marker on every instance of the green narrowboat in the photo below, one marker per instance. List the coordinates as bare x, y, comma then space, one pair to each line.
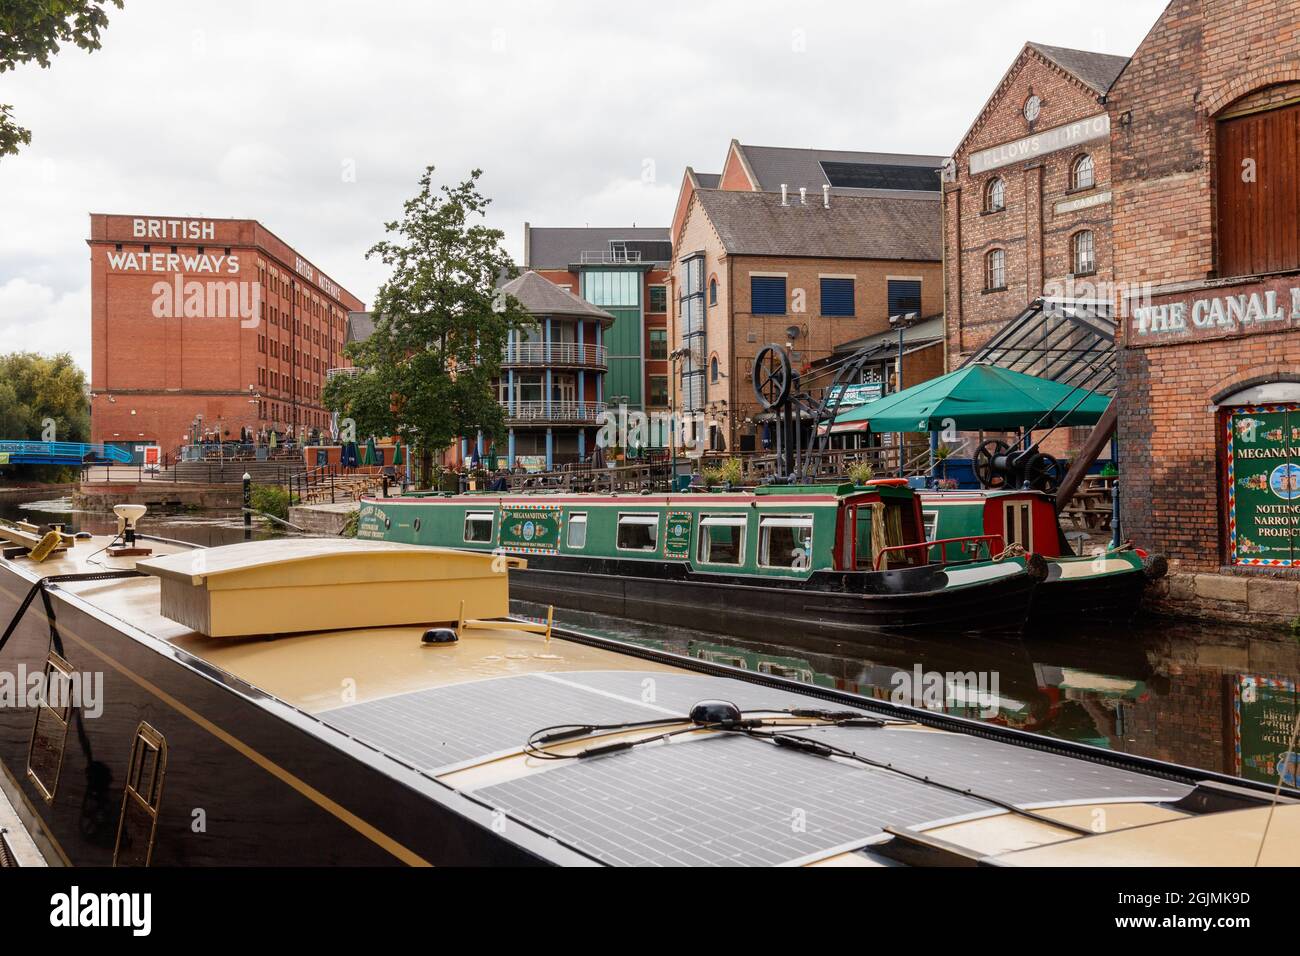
1105, 587
822, 559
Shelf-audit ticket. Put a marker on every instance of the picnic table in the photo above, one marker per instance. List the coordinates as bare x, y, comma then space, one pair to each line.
1092, 506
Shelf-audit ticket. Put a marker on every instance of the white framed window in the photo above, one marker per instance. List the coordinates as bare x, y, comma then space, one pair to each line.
1083, 252
478, 526
1082, 173
930, 520
995, 270
638, 532
578, 530
722, 539
995, 198
785, 541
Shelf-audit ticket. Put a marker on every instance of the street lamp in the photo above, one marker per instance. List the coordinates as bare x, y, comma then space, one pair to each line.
902, 323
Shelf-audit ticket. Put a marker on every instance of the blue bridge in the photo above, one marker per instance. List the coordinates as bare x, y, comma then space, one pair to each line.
71, 453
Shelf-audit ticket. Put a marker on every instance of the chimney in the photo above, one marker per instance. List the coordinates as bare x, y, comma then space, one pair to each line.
785, 195
826, 195
803, 195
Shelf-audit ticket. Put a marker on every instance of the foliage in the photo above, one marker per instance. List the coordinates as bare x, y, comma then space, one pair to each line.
272, 500
426, 374
350, 524
861, 473
730, 472
42, 398
31, 30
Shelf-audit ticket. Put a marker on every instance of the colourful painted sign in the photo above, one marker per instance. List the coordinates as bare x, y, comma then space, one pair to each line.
1263, 486
530, 529
677, 537
1264, 719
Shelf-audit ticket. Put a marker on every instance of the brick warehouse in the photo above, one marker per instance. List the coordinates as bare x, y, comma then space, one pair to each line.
216, 318
1204, 148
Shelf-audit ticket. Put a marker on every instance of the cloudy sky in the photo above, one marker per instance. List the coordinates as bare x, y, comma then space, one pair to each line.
578, 112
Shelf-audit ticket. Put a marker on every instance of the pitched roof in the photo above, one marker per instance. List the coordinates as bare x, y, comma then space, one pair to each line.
559, 247
361, 325
706, 180
887, 173
1097, 70
540, 296
923, 333
854, 227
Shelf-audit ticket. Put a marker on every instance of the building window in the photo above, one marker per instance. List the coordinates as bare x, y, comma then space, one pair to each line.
1081, 173
713, 291
995, 195
658, 299
767, 295
713, 369
1083, 253
658, 391
904, 296
995, 270
837, 297
658, 343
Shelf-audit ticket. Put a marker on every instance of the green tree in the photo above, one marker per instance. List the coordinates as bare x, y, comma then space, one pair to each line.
32, 30
426, 374
42, 398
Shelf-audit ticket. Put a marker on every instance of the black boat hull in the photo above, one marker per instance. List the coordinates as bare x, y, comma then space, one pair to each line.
995, 607
1105, 599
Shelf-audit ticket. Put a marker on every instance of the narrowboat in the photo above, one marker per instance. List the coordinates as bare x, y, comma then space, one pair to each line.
840, 560
1106, 587
334, 702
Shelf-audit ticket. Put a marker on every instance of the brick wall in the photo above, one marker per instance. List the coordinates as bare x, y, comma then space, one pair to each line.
1203, 58
1035, 237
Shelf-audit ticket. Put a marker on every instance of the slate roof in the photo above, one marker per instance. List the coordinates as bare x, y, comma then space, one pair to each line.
540, 296
559, 247
774, 165
854, 227
361, 325
1097, 70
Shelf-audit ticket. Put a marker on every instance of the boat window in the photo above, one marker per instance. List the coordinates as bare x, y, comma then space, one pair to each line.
931, 519
138, 825
785, 542
638, 532
1016, 525
722, 539
578, 530
478, 526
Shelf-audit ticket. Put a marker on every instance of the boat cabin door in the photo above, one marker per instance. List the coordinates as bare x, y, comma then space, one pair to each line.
1018, 524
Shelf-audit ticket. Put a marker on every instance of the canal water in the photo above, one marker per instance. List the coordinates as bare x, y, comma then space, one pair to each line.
1217, 697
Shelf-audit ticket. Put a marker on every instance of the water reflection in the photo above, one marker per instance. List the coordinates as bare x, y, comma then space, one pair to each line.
1219, 698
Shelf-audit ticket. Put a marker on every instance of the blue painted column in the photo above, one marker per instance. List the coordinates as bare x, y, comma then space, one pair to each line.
547, 338
510, 345
582, 392
582, 443
582, 341
550, 450
478, 444
510, 450
510, 392
464, 450
548, 393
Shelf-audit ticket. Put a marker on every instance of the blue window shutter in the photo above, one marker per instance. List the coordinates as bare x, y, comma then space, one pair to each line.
767, 295
837, 297
904, 296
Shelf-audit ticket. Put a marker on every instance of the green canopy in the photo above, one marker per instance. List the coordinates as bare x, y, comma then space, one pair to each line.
980, 397
370, 454
397, 453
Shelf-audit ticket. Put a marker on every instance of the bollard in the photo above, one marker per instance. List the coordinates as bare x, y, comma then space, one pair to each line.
248, 506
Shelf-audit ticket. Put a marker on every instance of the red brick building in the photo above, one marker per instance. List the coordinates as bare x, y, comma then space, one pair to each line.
1027, 198
1205, 169
207, 325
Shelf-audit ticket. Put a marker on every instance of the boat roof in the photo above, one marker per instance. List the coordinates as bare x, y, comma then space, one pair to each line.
773, 494
454, 719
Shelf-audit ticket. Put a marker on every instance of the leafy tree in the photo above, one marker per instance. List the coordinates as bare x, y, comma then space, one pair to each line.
32, 30
440, 325
42, 399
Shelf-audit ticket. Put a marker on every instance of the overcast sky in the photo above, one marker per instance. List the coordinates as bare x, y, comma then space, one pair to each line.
578, 113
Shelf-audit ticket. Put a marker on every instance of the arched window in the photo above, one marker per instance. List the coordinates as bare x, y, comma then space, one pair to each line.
713, 369
995, 270
995, 196
1083, 252
1081, 173
713, 290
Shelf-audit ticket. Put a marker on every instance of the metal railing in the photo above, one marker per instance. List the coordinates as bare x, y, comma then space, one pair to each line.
554, 412
604, 256
557, 353
331, 372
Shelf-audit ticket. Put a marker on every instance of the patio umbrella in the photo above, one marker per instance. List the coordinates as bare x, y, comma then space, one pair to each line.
492, 457
397, 453
980, 397
369, 454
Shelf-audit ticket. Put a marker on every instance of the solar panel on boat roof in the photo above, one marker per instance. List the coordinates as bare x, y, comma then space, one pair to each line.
723, 801
444, 726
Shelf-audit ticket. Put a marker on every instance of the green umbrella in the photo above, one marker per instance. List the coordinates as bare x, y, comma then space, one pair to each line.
369, 454
492, 457
397, 453
980, 397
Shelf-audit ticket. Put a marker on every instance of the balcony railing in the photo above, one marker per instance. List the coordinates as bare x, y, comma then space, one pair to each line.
605, 256
330, 373
558, 412
561, 353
